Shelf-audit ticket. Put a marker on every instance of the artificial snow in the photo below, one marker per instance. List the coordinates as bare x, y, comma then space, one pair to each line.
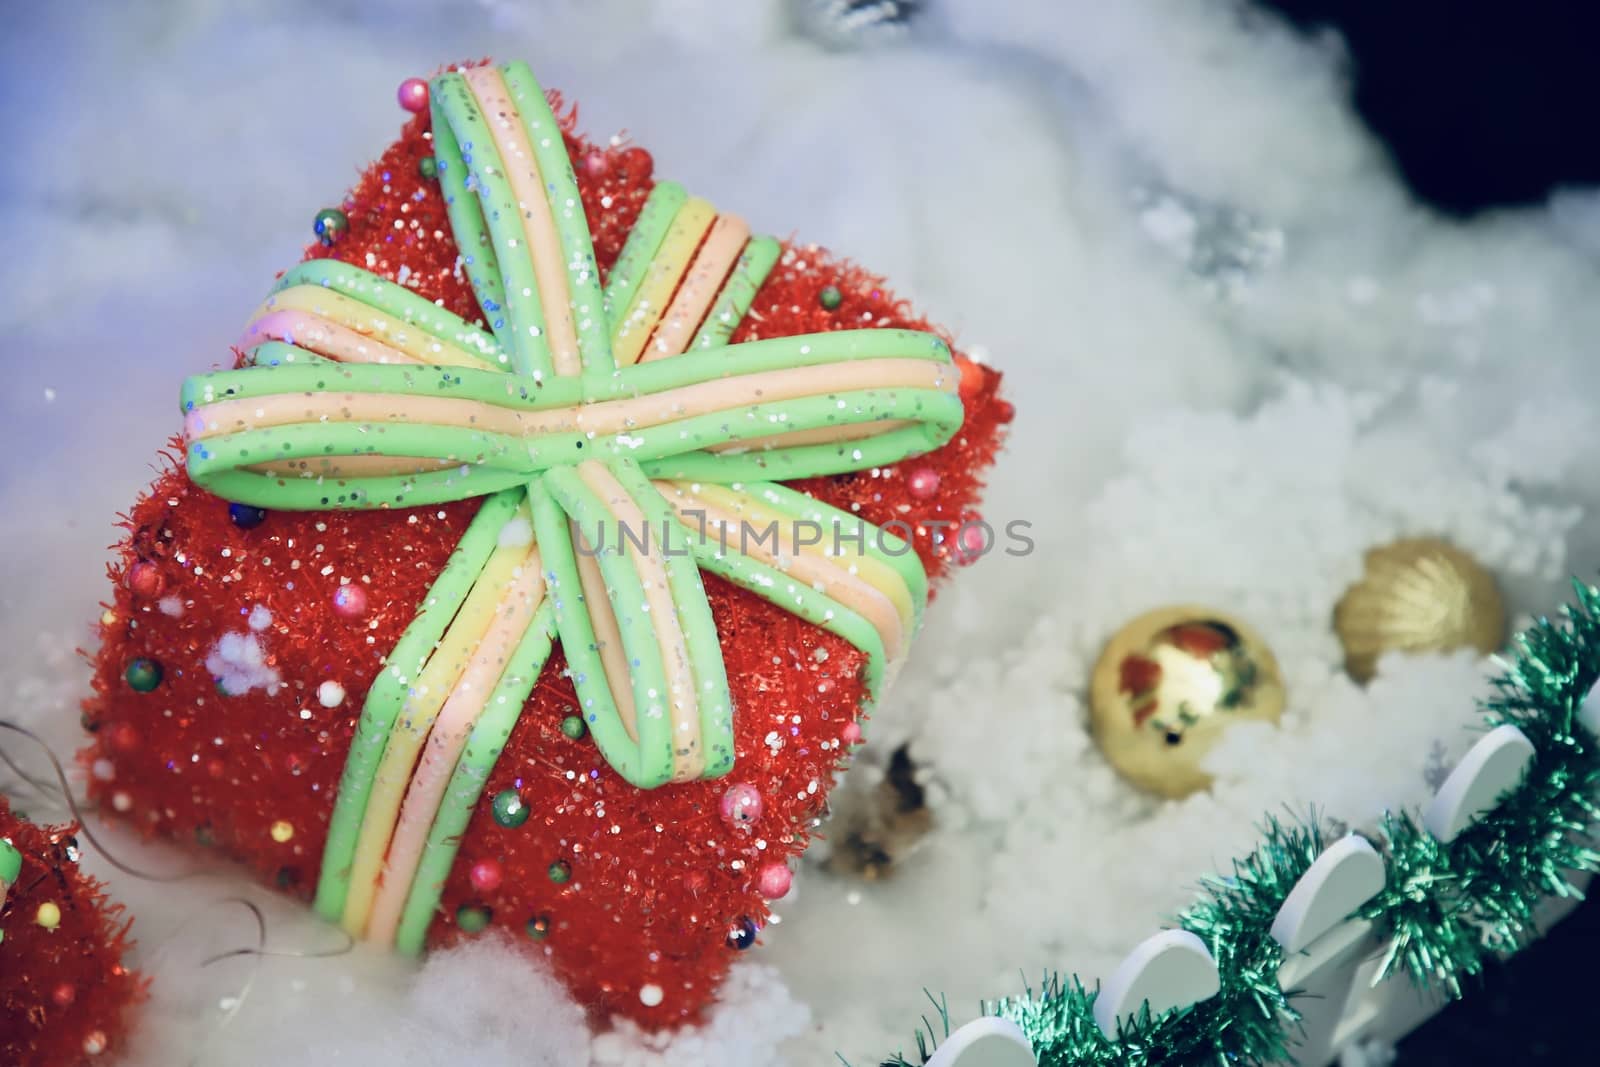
1240, 356
238, 661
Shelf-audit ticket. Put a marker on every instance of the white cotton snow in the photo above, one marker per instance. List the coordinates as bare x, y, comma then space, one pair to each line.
494, 1004
732, 1035
238, 661
1240, 356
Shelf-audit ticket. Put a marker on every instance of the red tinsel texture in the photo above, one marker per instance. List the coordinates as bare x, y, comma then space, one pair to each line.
658, 879
64, 993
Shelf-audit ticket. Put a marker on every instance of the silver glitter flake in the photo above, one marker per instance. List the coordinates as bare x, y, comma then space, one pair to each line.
846, 24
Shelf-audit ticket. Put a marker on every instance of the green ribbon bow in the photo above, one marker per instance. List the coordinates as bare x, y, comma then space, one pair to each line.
360, 393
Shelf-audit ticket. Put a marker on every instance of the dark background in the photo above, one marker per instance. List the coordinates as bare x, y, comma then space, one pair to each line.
1537, 1010
1482, 106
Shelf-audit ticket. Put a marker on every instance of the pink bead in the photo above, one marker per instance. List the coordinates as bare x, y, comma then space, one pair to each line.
413, 95
774, 881
485, 876
144, 579
851, 734
972, 541
350, 602
741, 804
923, 483
595, 163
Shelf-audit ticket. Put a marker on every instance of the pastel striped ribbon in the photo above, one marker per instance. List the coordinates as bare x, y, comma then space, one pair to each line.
621, 445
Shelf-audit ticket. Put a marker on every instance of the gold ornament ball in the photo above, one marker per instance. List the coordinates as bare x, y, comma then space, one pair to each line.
1166, 687
1418, 595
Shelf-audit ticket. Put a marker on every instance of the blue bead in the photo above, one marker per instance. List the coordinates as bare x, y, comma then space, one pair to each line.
246, 516
743, 934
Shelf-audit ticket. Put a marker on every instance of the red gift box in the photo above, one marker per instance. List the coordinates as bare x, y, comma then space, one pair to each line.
239, 644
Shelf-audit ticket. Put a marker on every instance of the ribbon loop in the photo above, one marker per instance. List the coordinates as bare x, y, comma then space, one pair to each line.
635, 624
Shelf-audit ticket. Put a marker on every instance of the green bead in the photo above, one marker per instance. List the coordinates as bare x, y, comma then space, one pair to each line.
561, 872
472, 919
573, 727
428, 167
330, 224
539, 927
10, 863
509, 810
143, 675
830, 297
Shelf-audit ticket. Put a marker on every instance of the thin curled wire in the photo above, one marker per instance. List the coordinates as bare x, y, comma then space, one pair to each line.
233, 1005
61, 790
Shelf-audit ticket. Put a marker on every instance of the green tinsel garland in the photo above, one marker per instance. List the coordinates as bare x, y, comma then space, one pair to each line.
1445, 910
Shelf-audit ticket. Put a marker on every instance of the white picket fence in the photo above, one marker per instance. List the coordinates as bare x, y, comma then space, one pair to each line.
1331, 957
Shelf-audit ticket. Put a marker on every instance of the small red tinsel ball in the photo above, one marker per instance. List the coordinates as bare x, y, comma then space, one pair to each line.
63, 988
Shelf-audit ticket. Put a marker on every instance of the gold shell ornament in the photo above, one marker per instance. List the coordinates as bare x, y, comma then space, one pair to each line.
1418, 595
1166, 687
